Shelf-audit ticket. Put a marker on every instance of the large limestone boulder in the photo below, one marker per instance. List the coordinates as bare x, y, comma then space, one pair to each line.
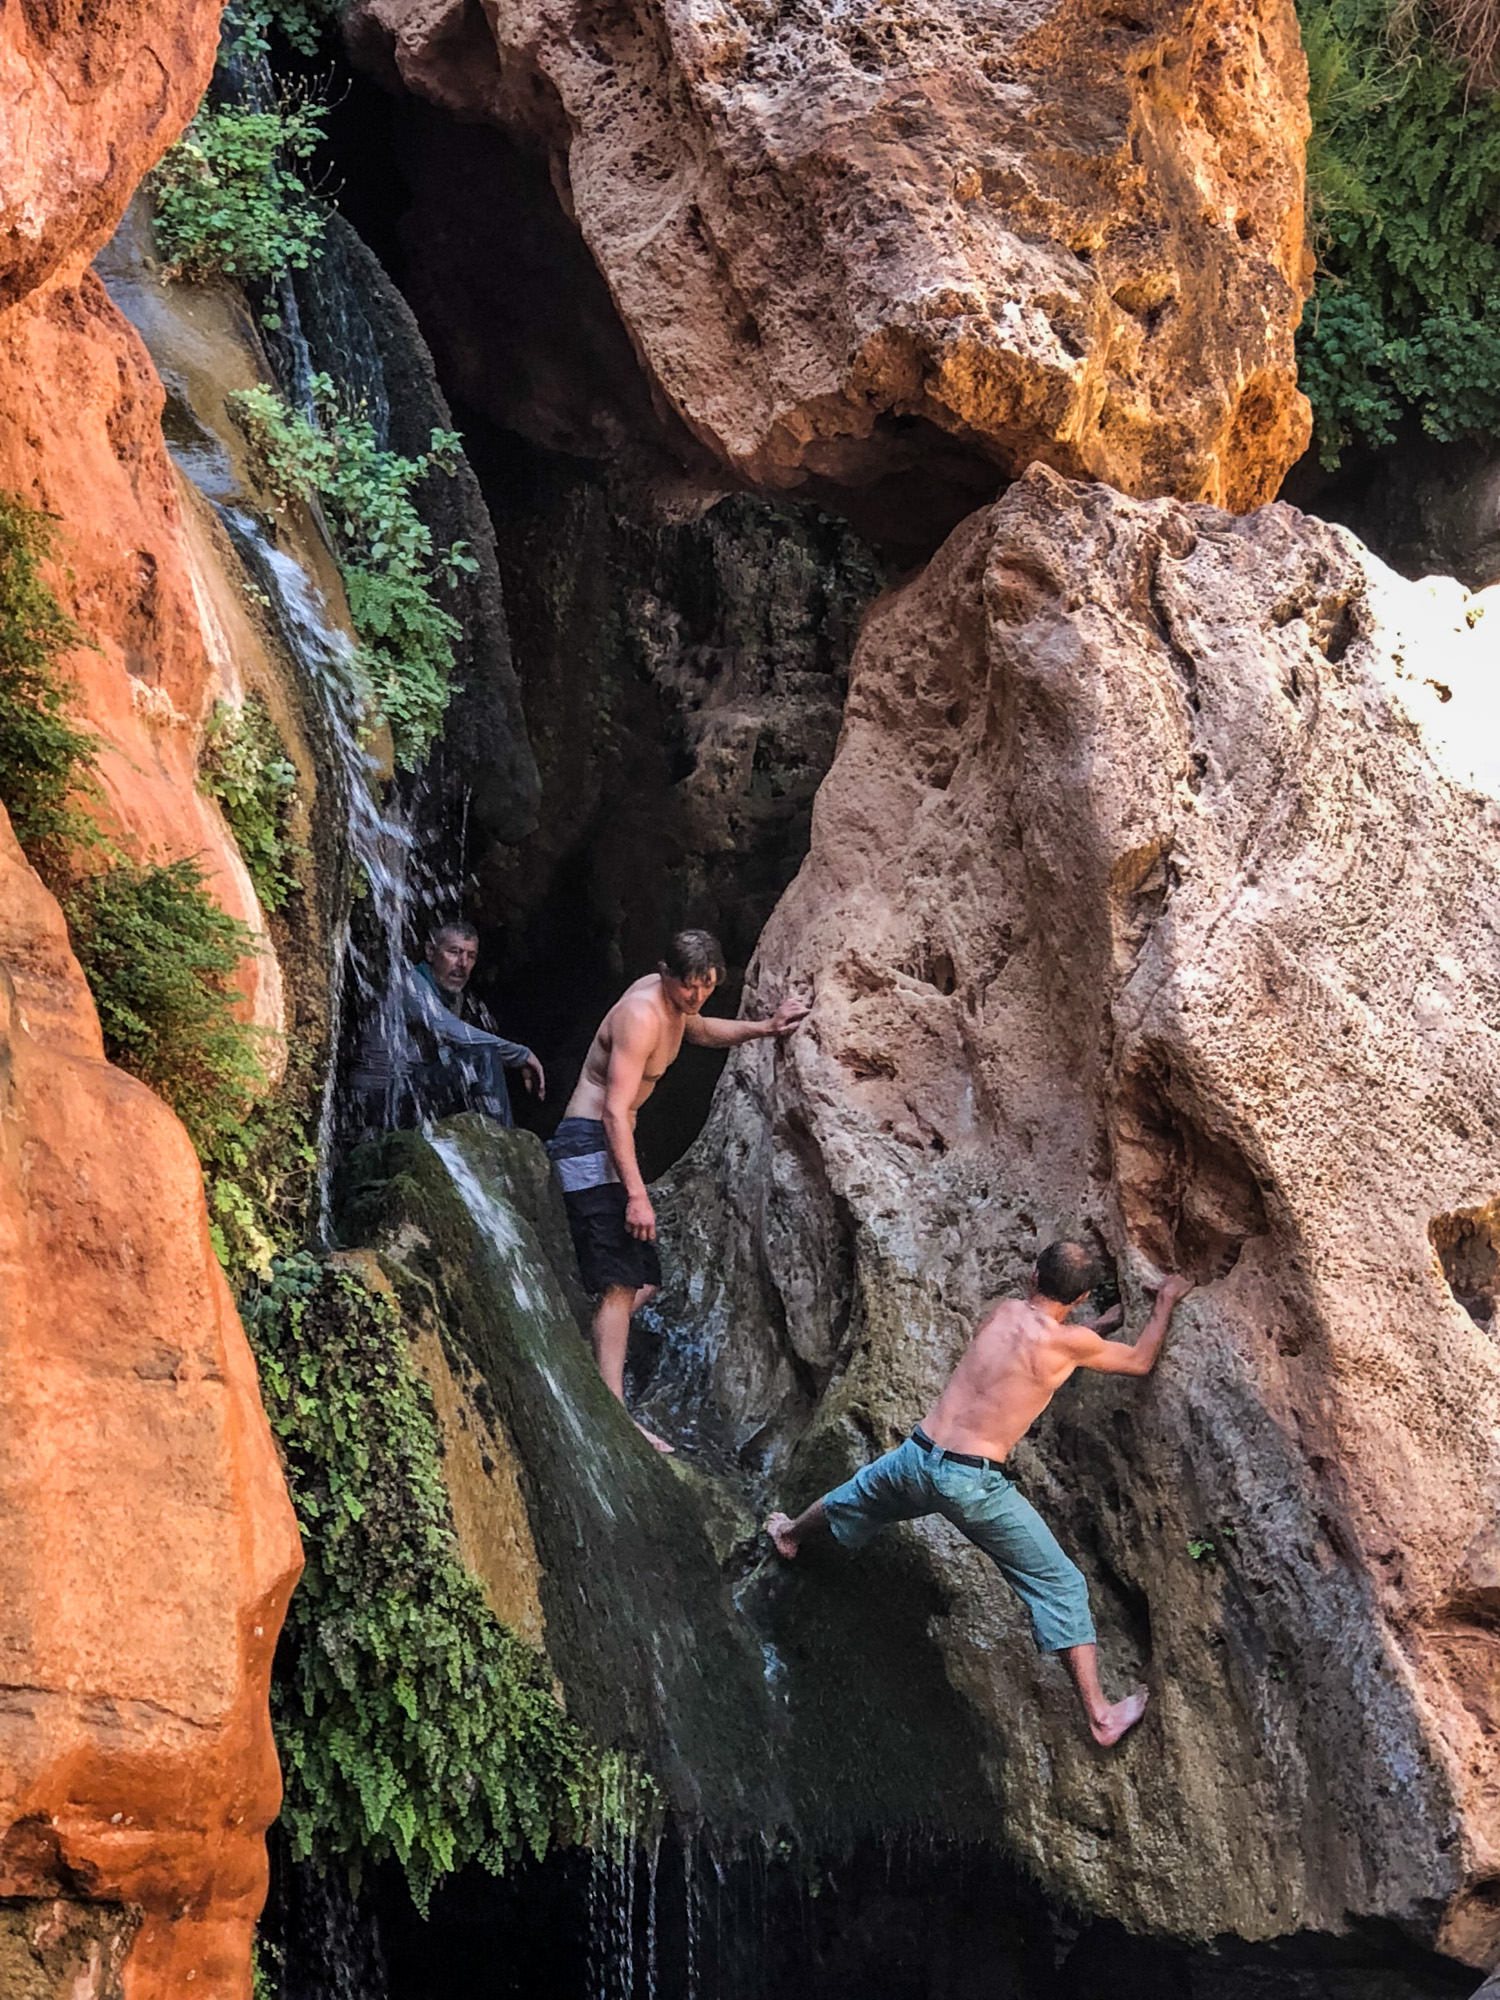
1154, 894
841, 237
147, 1545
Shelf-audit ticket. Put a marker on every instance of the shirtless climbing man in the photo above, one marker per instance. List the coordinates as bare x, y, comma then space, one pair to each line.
593, 1149
953, 1463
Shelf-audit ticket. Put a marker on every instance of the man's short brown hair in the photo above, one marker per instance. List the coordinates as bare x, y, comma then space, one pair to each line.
694, 955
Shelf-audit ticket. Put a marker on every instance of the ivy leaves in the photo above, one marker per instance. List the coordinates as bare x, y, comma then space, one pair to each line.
1404, 188
390, 567
245, 767
410, 1721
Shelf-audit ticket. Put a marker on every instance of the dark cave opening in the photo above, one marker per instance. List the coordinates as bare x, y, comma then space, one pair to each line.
681, 649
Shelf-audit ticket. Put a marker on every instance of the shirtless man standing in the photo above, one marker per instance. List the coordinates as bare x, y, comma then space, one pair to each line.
953, 1462
593, 1150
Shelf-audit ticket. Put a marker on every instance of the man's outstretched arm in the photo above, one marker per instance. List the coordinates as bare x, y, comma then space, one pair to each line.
1113, 1357
706, 1032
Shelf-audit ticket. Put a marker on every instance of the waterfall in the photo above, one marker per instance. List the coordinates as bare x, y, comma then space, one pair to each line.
378, 838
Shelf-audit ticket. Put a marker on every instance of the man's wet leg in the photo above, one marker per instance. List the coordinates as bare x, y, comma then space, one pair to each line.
611, 1334
787, 1535
1108, 1720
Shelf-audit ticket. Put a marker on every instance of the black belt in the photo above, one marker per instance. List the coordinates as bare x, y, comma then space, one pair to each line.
920, 1437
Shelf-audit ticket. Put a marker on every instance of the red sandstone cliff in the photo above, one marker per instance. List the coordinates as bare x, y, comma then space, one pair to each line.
148, 1545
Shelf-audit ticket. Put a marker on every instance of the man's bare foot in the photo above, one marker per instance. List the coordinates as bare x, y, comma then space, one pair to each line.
652, 1439
779, 1528
1120, 1716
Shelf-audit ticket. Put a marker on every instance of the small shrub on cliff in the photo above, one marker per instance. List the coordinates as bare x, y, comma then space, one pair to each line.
410, 1721
391, 570
45, 760
246, 768
229, 198
1404, 189
302, 23
160, 957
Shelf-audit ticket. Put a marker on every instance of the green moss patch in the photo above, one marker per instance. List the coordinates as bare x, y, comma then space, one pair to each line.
1404, 193
411, 1722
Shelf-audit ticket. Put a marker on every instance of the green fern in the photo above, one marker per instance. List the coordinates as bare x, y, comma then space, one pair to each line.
1404, 196
46, 760
391, 570
411, 1722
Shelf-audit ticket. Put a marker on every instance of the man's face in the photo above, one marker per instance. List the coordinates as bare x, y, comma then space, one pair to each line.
452, 960
688, 995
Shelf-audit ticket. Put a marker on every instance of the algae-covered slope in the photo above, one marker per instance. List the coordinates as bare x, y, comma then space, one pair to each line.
758, 1707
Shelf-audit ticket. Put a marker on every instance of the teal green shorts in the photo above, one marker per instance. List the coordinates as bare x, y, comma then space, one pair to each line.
984, 1505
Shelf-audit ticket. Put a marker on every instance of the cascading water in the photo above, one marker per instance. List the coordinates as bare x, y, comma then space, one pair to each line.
378, 843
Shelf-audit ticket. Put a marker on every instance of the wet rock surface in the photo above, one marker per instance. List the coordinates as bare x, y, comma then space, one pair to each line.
844, 247
148, 1547
1152, 895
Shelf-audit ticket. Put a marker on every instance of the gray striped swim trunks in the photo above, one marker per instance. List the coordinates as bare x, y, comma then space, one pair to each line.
594, 1197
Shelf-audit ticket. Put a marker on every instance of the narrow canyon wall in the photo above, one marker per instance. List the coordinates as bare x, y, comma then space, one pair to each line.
1153, 894
147, 1546
846, 243
148, 1543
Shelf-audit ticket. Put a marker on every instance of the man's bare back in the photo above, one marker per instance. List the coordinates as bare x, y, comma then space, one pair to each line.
1017, 1361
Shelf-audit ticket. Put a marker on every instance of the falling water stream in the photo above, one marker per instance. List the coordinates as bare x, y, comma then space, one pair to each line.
378, 843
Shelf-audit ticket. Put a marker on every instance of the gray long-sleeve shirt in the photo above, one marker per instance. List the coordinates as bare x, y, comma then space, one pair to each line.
424, 1021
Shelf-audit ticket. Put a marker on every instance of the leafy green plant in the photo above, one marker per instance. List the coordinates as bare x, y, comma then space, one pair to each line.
245, 767
160, 957
261, 1176
45, 759
302, 23
411, 1722
391, 570
1404, 192
230, 200
1210, 1543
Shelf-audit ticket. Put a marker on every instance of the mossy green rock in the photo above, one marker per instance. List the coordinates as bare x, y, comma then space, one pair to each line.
760, 1697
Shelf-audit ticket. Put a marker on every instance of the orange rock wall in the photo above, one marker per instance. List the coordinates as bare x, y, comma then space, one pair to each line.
147, 1545
92, 92
80, 436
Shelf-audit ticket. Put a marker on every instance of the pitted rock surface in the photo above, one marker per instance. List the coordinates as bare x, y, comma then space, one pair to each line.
1050, 231
1154, 894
